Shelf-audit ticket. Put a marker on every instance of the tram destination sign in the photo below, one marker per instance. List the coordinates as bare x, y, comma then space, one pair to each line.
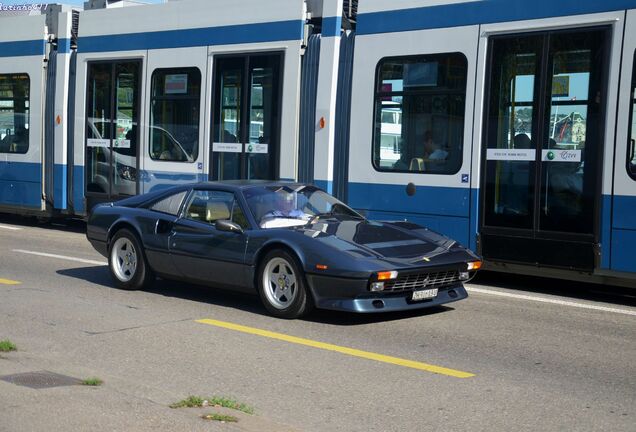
22, 9
511, 154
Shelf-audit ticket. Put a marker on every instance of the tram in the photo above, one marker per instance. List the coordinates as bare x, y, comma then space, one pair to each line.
503, 126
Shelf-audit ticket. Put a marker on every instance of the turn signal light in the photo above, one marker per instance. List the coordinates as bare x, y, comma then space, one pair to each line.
475, 265
321, 267
387, 275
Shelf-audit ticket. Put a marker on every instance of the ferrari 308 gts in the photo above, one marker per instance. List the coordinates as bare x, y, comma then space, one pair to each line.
293, 244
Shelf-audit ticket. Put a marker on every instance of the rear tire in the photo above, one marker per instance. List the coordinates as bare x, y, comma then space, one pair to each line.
127, 262
282, 287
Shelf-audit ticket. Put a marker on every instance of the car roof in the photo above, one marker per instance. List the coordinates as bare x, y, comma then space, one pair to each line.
226, 185
244, 184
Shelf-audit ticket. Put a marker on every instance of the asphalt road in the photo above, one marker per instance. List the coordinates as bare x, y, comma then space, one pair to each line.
542, 354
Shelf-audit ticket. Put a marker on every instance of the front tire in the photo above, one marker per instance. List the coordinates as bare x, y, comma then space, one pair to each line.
282, 286
127, 262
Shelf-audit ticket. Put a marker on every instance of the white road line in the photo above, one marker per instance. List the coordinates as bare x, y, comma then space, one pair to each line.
551, 301
10, 228
63, 257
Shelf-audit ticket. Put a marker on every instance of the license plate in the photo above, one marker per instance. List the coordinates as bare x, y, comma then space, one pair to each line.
424, 294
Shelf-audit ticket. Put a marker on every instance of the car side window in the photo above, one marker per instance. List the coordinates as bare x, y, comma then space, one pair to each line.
170, 205
209, 206
238, 216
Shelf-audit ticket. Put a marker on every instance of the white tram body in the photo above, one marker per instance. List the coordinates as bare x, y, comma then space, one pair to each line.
503, 126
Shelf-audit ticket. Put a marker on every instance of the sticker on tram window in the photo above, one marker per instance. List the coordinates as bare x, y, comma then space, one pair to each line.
121, 143
97, 142
561, 86
256, 148
561, 155
511, 154
227, 147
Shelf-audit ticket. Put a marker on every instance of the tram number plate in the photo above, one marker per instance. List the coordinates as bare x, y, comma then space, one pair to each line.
424, 294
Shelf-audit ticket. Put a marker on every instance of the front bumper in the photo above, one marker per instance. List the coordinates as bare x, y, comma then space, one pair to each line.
352, 295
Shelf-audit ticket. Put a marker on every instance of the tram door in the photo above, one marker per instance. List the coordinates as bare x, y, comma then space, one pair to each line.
543, 144
246, 117
112, 132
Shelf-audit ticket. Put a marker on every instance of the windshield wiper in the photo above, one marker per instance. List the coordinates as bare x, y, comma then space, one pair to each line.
317, 216
333, 213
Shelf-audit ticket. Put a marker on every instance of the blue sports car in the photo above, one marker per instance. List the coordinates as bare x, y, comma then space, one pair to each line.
293, 244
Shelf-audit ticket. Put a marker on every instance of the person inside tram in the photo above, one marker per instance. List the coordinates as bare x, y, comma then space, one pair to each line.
16, 143
432, 149
434, 155
402, 164
522, 141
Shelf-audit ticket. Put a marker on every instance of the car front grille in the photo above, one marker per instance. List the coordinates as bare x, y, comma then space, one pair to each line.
422, 280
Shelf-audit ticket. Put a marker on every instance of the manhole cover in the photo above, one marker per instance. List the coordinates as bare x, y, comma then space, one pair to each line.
40, 380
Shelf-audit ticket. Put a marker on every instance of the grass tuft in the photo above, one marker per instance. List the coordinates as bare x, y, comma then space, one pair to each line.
189, 402
93, 381
7, 346
232, 404
220, 417
196, 401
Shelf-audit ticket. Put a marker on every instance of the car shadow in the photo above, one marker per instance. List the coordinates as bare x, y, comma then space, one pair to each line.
353, 319
99, 275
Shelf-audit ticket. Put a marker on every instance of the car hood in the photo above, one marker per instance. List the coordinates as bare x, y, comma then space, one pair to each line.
398, 242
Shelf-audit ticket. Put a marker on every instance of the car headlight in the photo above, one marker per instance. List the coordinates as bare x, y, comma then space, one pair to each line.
127, 172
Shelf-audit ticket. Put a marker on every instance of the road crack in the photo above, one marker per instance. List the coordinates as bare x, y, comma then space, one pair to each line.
91, 333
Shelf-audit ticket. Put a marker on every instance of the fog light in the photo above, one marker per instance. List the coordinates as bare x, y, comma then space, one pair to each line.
464, 275
377, 286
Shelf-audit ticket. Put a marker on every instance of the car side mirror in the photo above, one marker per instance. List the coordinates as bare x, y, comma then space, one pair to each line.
228, 226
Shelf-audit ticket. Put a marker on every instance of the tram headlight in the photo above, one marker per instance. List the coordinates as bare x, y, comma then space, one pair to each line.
127, 172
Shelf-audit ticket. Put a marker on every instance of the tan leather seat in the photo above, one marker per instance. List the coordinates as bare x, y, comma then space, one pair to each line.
217, 210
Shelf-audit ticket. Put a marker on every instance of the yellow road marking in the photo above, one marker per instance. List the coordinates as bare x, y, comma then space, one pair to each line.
343, 350
9, 282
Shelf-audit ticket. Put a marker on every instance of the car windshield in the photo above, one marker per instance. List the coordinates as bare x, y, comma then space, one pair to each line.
284, 206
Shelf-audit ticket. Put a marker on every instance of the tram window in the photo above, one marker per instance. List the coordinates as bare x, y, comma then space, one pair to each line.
631, 147
419, 113
174, 114
14, 113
